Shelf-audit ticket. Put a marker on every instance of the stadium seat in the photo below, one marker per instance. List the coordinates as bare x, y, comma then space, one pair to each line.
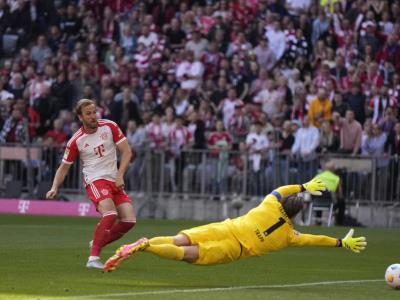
321, 205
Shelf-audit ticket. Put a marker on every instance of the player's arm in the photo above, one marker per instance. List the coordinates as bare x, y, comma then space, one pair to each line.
126, 155
314, 187
58, 179
349, 242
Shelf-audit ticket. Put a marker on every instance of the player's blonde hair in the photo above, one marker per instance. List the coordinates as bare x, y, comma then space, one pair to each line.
83, 103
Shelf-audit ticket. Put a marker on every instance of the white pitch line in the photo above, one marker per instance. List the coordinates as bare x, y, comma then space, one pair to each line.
207, 290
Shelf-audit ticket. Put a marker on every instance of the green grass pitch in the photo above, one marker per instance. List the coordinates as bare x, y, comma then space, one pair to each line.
44, 258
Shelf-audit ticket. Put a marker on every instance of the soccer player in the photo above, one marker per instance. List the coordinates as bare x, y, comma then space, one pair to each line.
264, 229
96, 143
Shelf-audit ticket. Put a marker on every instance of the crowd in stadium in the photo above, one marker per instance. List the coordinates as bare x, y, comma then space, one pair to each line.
301, 76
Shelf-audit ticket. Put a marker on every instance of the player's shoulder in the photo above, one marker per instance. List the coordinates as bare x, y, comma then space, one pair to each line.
75, 137
106, 122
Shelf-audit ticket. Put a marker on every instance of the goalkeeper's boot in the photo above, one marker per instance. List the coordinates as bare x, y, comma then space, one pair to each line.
94, 263
124, 252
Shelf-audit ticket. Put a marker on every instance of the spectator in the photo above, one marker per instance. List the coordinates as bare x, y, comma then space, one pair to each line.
137, 139
256, 145
124, 110
175, 35
305, 145
148, 38
40, 52
338, 105
389, 120
320, 27
276, 39
189, 72
295, 7
56, 137
350, 134
16, 87
155, 133
197, 45
227, 106
393, 149
328, 140
269, 98
356, 101
219, 142
266, 58
71, 25
285, 141
320, 108
374, 145
14, 129
239, 125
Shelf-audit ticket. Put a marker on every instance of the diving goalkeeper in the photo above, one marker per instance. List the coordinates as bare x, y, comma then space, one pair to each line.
266, 228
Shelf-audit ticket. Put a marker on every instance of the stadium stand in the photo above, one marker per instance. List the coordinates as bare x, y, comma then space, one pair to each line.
293, 82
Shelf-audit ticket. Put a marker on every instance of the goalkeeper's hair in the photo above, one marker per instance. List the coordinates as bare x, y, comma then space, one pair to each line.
292, 205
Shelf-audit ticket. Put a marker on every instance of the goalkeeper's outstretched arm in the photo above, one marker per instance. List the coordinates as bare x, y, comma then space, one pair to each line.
355, 244
314, 187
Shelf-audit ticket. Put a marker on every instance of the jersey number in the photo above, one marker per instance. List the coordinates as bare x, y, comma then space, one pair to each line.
274, 227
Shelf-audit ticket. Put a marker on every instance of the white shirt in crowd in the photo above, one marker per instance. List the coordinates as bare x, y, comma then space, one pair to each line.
256, 142
189, 74
148, 41
294, 5
305, 142
277, 42
270, 101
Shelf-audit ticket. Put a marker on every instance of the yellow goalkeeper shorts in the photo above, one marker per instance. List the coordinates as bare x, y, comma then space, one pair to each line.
217, 244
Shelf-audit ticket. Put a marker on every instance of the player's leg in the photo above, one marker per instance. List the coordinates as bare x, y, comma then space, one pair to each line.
127, 220
168, 247
108, 213
172, 247
167, 251
178, 240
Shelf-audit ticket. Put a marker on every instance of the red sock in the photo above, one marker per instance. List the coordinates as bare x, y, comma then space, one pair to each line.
117, 231
101, 232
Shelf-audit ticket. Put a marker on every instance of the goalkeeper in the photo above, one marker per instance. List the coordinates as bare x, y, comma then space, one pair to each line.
266, 228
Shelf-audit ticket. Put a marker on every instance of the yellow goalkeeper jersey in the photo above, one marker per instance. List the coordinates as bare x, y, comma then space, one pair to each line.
267, 228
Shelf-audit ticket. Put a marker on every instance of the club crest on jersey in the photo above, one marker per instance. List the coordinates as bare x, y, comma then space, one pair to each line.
104, 136
104, 192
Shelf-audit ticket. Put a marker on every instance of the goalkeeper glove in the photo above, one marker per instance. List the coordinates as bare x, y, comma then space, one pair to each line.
354, 244
315, 187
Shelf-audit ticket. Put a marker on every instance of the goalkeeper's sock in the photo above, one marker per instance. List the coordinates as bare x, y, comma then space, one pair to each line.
160, 240
117, 231
167, 251
101, 232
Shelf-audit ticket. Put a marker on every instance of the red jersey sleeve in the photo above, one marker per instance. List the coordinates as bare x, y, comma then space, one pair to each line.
118, 136
71, 153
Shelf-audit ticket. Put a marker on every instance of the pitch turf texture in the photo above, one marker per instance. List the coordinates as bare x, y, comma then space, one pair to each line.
44, 258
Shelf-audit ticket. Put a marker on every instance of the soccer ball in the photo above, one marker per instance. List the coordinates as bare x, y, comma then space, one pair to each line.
392, 276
